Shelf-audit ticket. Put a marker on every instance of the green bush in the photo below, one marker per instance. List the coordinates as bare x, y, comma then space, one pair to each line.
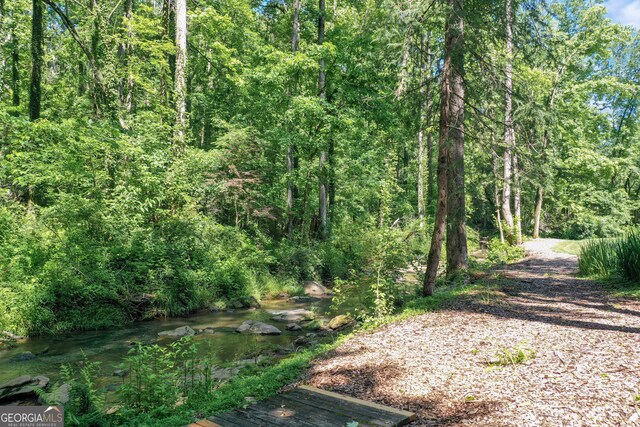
503, 252
619, 257
159, 377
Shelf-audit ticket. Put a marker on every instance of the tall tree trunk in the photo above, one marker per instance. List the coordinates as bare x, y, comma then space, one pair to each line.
291, 149
456, 209
451, 116
423, 106
37, 54
98, 100
15, 70
125, 85
496, 193
509, 136
324, 227
181, 71
168, 32
295, 34
403, 78
429, 119
538, 213
516, 200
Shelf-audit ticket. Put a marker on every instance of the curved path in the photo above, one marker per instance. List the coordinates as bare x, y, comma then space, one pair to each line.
586, 371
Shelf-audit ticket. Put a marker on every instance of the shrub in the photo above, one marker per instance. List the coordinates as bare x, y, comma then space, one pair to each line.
619, 257
503, 252
86, 403
159, 377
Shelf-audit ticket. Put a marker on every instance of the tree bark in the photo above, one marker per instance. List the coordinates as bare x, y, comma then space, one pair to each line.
456, 210
429, 118
295, 34
451, 135
538, 213
181, 71
125, 85
324, 228
37, 55
496, 193
516, 200
168, 32
423, 106
291, 155
15, 70
509, 136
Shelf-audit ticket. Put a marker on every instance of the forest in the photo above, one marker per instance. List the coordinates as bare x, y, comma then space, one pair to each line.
163, 157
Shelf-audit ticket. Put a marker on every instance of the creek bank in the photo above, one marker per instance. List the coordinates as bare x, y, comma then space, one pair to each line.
22, 388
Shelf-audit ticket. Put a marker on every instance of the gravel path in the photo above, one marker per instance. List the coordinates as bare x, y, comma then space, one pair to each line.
586, 371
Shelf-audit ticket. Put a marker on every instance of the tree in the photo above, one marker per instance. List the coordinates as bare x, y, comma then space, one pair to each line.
37, 59
450, 207
322, 90
181, 74
509, 135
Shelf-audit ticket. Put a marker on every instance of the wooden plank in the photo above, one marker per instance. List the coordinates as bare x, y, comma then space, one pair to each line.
327, 416
207, 423
229, 419
253, 417
319, 391
311, 407
362, 414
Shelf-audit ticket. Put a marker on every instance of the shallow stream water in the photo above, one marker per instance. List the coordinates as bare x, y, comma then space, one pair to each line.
111, 346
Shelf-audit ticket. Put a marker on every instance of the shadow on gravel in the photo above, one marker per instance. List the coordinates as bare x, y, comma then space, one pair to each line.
372, 383
548, 291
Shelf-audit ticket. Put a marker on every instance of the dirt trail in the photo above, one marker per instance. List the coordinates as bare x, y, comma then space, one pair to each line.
586, 371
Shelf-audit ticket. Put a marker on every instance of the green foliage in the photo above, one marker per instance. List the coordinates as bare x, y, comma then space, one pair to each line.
503, 253
159, 377
610, 258
86, 403
521, 353
373, 291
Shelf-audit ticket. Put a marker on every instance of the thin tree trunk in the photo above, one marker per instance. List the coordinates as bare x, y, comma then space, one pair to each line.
37, 54
509, 136
538, 213
291, 160
15, 70
295, 34
404, 66
451, 115
181, 70
456, 209
496, 193
324, 228
95, 52
423, 105
125, 86
516, 200
168, 32
430, 170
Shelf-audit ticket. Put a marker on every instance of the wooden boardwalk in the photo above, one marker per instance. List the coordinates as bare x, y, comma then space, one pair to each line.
307, 406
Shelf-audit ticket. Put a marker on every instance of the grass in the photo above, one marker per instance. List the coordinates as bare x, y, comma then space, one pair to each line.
612, 258
571, 247
519, 354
